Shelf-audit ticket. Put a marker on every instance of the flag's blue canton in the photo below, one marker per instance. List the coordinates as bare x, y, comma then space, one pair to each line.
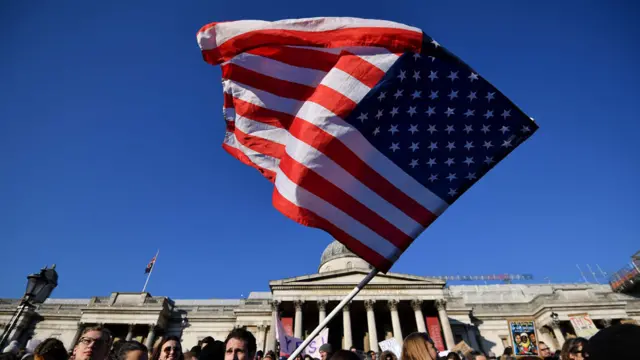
440, 122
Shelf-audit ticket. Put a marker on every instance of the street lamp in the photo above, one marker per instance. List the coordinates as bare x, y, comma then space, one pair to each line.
39, 287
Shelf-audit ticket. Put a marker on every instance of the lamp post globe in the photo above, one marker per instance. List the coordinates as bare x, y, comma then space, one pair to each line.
43, 286
39, 288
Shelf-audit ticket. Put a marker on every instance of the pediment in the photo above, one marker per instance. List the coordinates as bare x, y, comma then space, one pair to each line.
353, 276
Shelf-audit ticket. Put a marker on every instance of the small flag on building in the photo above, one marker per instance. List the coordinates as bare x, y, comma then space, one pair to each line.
150, 265
368, 129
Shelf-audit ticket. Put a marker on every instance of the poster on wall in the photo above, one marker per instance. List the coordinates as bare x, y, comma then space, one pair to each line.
583, 325
523, 337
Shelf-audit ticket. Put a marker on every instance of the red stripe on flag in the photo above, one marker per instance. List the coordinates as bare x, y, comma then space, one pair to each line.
258, 113
300, 57
228, 101
270, 84
236, 153
320, 187
333, 101
360, 69
261, 145
395, 40
309, 218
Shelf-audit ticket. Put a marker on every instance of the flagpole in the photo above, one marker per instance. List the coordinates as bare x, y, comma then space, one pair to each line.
333, 313
150, 271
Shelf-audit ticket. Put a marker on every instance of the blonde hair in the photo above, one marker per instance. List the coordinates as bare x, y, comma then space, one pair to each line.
415, 347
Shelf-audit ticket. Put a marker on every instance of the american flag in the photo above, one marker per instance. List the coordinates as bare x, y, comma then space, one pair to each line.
368, 129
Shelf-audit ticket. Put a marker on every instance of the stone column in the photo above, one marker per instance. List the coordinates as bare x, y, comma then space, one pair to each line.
395, 320
130, 333
346, 325
297, 332
446, 326
417, 310
261, 338
151, 337
558, 333
76, 337
271, 338
371, 325
322, 310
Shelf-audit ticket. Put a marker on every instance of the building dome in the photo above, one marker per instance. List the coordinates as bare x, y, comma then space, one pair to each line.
337, 257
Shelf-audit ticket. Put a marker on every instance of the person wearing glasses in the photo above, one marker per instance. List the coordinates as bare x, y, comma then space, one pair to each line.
94, 344
545, 350
169, 349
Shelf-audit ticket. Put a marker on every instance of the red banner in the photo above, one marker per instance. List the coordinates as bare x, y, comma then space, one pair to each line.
435, 332
287, 324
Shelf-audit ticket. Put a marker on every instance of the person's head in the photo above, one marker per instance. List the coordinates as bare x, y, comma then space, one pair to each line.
196, 351
388, 355
94, 344
259, 355
307, 357
532, 337
132, 350
345, 355
614, 342
517, 339
270, 355
418, 346
453, 356
168, 349
476, 355
240, 345
508, 351
573, 349
206, 341
543, 349
325, 351
50, 349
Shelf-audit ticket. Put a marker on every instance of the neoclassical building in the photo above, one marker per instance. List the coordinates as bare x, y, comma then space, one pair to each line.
392, 305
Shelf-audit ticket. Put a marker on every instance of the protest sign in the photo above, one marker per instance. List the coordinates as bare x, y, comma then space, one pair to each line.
523, 337
391, 345
583, 325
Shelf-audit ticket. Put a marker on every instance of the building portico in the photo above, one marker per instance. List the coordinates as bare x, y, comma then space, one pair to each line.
391, 306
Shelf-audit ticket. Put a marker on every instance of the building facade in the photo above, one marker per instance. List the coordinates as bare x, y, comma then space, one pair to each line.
392, 305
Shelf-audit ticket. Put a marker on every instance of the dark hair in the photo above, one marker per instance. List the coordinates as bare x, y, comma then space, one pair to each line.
508, 351
453, 356
51, 349
207, 340
271, 354
246, 336
345, 355
474, 354
571, 346
260, 353
196, 350
213, 351
128, 346
158, 350
8, 356
614, 342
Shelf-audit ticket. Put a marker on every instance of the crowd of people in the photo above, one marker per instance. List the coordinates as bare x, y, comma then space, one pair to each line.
96, 343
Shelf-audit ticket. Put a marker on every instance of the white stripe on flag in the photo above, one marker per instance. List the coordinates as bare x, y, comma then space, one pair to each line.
304, 199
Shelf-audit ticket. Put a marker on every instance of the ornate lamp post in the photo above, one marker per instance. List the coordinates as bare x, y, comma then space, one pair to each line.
39, 287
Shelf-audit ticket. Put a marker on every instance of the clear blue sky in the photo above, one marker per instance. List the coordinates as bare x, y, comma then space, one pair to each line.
111, 132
